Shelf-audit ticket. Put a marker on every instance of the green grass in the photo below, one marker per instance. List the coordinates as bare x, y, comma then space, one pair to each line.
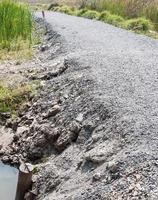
115, 20
127, 9
91, 14
16, 24
65, 9
138, 24
80, 12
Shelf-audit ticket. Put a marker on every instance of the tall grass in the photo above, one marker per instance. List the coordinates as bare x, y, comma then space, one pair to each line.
15, 23
126, 8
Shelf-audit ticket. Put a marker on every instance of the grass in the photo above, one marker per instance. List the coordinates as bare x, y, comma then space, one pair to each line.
16, 24
115, 20
139, 24
24, 52
91, 14
66, 9
80, 12
126, 8
11, 99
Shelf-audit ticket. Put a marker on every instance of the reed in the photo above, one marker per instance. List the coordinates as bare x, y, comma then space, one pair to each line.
16, 23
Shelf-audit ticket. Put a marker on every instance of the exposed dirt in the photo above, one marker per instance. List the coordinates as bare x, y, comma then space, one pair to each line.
76, 142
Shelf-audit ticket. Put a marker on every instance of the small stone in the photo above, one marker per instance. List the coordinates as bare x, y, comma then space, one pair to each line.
52, 112
79, 118
41, 141
65, 96
29, 196
96, 177
75, 127
44, 48
131, 187
89, 127
62, 142
112, 166
5, 159
21, 130
138, 186
15, 160
52, 135
135, 193
2, 152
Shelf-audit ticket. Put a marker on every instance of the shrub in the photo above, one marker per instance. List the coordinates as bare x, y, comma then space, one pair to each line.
111, 19
15, 23
91, 14
81, 12
104, 15
115, 20
65, 9
139, 24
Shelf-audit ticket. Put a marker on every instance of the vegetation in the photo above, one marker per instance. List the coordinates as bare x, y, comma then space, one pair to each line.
11, 99
126, 8
66, 9
138, 24
81, 12
91, 14
115, 20
16, 24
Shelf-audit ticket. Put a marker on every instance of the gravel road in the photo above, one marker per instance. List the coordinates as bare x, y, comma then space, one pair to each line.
124, 67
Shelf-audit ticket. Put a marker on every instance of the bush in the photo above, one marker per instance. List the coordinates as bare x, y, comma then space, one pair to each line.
115, 20
91, 14
81, 12
15, 22
139, 24
111, 19
104, 15
66, 9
